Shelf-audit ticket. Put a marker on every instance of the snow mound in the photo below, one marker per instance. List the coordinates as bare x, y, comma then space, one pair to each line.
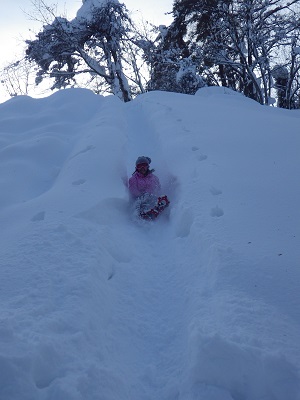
203, 303
217, 91
220, 369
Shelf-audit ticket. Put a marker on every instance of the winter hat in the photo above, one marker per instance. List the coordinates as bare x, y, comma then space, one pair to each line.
142, 160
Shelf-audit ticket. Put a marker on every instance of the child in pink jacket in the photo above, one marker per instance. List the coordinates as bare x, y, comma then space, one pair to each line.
143, 180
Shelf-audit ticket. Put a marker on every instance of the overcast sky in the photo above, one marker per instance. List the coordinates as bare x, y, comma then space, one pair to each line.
16, 26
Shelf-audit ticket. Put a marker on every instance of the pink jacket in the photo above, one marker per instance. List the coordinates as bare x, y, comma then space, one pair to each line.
140, 184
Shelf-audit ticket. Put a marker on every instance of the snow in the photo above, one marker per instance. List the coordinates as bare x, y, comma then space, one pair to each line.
203, 304
86, 10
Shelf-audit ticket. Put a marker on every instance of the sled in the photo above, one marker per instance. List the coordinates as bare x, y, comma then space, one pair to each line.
150, 207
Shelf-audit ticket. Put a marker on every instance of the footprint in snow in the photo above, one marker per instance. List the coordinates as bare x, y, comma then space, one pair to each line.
202, 157
40, 216
216, 212
214, 191
79, 182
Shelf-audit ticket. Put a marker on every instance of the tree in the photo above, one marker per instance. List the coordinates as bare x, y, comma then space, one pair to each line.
237, 42
172, 67
287, 77
195, 23
140, 39
281, 75
16, 77
91, 43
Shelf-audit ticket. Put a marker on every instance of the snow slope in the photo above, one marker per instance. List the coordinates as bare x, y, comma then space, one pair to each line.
200, 305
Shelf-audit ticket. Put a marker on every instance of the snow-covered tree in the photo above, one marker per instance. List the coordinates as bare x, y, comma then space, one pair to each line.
172, 67
287, 76
281, 76
238, 42
93, 43
188, 80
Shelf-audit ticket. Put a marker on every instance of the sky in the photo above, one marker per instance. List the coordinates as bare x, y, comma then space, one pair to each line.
16, 25
200, 304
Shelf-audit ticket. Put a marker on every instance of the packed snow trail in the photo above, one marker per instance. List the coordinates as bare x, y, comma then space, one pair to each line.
203, 303
150, 313
150, 318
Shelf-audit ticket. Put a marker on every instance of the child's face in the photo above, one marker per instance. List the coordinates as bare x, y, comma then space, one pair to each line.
142, 168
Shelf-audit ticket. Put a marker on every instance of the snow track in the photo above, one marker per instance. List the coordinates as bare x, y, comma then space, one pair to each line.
152, 337
151, 299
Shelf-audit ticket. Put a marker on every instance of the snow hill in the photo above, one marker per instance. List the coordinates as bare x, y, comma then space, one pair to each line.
203, 304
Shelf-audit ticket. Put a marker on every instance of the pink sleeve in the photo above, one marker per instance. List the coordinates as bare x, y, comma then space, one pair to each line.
132, 186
